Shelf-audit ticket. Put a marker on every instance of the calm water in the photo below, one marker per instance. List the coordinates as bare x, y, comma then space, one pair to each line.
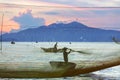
31, 52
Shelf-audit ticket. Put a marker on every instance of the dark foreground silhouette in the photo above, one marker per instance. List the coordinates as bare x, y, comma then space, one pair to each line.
56, 68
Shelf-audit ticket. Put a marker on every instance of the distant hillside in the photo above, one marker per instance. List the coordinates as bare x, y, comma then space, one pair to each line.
72, 32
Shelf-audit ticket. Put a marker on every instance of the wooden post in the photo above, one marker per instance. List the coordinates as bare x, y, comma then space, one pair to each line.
2, 30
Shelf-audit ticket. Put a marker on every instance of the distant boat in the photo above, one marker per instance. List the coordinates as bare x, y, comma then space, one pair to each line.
52, 50
12, 42
115, 40
36, 42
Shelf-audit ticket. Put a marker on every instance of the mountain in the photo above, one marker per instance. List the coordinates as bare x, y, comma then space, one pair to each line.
72, 32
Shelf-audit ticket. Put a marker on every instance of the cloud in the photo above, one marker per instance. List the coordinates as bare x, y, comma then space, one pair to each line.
86, 3
9, 25
77, 3
26, 20
51, 13
64, 10
107, 18
103, 12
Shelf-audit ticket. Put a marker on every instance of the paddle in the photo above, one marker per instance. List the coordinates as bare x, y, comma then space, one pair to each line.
81, 52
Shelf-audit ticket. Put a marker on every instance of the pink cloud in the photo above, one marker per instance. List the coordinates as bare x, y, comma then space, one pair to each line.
9, 25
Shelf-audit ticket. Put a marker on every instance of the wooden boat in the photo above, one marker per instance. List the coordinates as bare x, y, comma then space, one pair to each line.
57, 65
52, 50
54, 69
115, 40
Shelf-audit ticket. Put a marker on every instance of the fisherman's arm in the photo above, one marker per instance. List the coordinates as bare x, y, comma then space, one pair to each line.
69, 51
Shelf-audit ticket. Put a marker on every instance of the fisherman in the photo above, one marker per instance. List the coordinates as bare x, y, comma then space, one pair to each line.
65, 54
55, 47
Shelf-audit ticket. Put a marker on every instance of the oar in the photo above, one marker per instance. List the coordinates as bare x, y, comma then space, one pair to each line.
81, 52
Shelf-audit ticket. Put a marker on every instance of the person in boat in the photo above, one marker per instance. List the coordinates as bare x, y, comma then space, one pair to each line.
65, 54
55, 47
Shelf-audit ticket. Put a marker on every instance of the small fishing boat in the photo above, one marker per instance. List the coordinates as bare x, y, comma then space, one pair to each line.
12, 42
115, 40
52, 50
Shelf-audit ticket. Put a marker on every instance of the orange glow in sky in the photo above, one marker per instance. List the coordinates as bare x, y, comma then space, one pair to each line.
9, 25
51, 12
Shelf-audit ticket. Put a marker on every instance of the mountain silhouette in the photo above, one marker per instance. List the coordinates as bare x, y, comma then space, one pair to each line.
69, 32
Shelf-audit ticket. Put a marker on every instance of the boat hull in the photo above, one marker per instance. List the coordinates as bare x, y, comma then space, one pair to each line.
52, 70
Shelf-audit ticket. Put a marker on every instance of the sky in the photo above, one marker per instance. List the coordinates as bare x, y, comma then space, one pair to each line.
24, 14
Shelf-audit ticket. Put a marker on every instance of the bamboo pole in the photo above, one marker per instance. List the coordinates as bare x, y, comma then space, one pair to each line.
2, 29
